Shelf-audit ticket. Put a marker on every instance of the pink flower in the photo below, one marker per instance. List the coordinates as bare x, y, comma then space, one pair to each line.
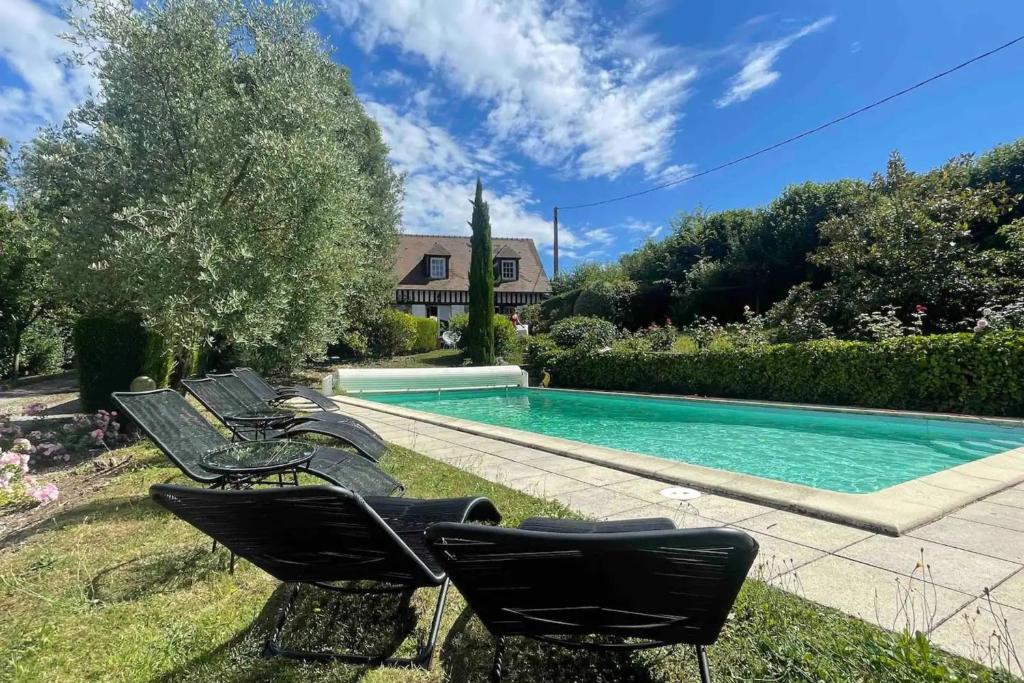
5, 481
10, 458
921, 308
97, 435
44, 494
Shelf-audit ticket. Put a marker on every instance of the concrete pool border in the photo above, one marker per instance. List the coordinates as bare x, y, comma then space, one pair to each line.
894, 510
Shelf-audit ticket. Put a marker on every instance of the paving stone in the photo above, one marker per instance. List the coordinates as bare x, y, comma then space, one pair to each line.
599, 476
985, 632
776, 557
877, 595
721, 508
949, 567
598, 503
557, 463
497, 469
808, 531
1013, 497
985, 539
992, 513
547, 485
683, 519
1011, 592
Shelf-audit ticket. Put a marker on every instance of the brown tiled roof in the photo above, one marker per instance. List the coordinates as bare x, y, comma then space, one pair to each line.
412, 248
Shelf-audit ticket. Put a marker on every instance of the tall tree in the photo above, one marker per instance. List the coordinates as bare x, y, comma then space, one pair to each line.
481, 285
225, 179
26, 285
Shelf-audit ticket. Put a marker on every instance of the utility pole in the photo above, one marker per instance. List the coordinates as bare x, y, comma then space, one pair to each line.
555, 258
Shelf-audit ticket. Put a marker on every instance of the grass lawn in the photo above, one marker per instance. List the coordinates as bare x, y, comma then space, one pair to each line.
114, 588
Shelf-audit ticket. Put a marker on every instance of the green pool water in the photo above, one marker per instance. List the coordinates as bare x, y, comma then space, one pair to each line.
855, 453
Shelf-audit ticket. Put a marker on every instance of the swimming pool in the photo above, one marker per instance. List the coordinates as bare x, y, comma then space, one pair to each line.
837, 451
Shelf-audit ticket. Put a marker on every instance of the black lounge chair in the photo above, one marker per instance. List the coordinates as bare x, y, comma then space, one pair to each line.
250, 423
633, 584
321, 535
246, 395
184, 436
271, 394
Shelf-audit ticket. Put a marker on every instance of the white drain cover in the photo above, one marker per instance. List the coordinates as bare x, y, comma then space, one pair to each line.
680, 493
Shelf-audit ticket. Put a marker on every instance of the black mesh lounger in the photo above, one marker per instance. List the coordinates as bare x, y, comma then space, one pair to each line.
635, 584
320, 535
228, 408
268, 392
246, 395
184, 436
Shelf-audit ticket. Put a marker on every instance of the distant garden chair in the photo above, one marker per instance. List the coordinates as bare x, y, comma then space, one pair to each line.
321, 535
185, 437
237, 386
248, 423
632, 584
450, 339
272, 394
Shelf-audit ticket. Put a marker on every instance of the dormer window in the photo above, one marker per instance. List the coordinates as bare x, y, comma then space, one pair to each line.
438, 268
509, 269
506, 264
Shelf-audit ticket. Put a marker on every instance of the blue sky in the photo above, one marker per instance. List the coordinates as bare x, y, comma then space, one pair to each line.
570, 102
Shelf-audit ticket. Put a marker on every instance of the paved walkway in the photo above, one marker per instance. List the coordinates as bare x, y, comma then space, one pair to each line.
959, 579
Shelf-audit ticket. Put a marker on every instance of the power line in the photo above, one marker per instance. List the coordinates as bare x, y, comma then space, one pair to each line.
799, 136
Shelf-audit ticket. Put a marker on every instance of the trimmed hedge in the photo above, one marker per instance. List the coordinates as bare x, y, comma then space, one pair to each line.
427, 332
112, 351
960, 373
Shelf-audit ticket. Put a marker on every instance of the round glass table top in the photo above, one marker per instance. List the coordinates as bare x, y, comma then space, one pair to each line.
260, 415
258, 456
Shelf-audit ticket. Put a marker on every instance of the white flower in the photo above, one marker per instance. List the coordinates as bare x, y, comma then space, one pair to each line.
981, 325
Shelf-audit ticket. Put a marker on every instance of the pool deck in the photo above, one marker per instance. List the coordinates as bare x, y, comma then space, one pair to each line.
974, 555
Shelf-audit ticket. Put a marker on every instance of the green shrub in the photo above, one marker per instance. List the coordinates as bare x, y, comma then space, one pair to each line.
951, 373
112, 351
427, 332
392, 333
557, 307
506, 345
581, 332
607, 300
539, 353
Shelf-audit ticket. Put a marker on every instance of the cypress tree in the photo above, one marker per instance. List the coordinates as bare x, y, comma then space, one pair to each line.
480, 330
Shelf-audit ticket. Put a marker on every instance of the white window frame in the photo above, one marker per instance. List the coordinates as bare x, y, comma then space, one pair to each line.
513, 273
435, 274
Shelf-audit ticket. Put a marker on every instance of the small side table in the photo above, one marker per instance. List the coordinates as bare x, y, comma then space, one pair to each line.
257, 420
252, 462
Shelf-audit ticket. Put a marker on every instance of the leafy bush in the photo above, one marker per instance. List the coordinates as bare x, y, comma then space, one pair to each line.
427, 332
540, 353
392, 333
581, 332
112, 351
506, 345
979, 374
558, 307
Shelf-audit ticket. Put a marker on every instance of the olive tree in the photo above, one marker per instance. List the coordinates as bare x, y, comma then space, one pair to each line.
224, 179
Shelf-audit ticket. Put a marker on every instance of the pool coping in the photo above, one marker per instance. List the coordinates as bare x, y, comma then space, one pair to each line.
894, 510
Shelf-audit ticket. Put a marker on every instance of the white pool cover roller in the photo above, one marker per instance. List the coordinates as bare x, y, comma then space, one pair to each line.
368, 380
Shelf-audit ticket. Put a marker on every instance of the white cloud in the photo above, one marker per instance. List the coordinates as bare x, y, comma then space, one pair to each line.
440, 178
757, 72
31, 49
553, 83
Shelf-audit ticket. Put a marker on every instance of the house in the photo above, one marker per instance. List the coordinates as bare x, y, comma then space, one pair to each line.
433, 274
